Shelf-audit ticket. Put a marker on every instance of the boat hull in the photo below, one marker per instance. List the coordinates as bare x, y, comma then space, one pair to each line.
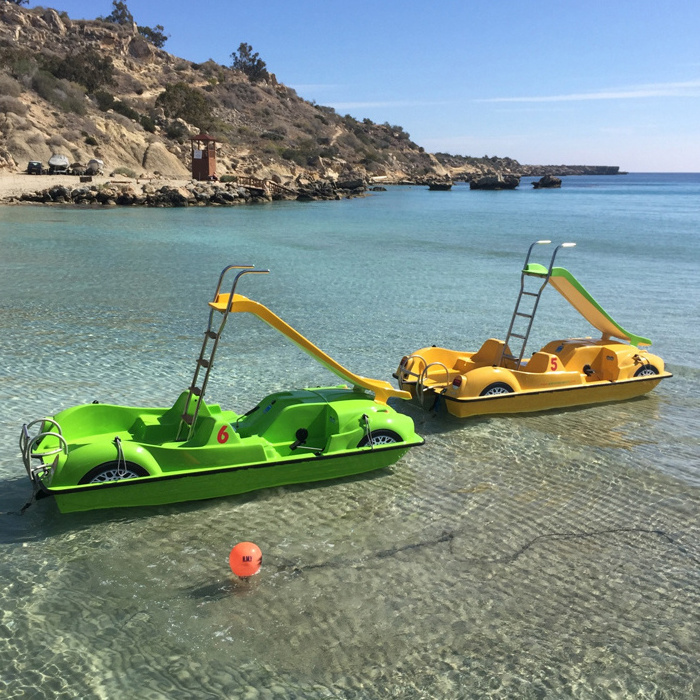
550, 399
215, 483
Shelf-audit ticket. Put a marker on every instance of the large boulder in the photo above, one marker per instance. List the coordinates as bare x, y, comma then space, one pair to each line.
547, 182
52, 18
174, 196
495, 182
141, 50
158, 158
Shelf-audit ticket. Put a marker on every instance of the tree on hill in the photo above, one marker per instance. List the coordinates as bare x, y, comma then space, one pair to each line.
17, 2
249, 63
120, 14
155, 35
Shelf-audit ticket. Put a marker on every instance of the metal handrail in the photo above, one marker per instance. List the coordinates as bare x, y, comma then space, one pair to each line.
407, 371
27, 453
420, 384
545, 279
209, 334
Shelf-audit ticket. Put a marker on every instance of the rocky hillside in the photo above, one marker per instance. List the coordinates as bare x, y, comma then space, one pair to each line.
95, 89
98, 89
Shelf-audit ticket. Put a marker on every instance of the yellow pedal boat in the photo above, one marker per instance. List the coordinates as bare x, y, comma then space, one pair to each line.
498, 378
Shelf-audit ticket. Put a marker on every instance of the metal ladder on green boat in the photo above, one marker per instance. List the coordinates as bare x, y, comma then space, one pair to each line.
524, 313
205, 361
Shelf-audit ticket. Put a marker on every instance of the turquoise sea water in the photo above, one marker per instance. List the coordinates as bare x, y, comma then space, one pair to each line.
550, 555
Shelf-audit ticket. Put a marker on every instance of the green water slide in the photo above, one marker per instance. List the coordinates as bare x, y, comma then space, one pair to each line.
574, 292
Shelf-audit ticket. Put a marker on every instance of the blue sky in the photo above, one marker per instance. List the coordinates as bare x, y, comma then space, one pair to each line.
614, 82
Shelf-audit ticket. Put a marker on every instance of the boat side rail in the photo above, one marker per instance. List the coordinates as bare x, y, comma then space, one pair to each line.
420, 384
206, 359
543, 273
403, 373
27, 442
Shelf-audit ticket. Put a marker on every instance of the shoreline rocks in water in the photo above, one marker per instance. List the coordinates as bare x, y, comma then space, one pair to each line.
495, 182
191, 193
547, 182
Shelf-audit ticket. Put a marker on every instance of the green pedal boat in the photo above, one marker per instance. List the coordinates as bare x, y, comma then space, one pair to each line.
105, 456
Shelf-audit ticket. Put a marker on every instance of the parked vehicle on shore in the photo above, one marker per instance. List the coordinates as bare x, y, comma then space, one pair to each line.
35, 167
95, 167
58, 164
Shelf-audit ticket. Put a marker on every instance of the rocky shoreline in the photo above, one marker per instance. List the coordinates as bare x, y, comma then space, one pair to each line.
173, 193
151, 192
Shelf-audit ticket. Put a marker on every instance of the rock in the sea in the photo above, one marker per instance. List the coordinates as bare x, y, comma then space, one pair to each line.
548, 181
495, 182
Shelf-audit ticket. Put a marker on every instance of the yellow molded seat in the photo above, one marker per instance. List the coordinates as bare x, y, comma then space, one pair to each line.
543, 362
488, 353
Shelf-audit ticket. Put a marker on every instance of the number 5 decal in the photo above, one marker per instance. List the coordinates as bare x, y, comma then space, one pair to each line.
554, 364
222, 435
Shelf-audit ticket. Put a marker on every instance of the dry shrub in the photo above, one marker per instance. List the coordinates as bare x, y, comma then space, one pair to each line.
9, 87
58, 141
13, 105
35, 138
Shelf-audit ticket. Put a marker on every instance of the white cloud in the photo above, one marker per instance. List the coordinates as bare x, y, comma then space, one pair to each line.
690, 88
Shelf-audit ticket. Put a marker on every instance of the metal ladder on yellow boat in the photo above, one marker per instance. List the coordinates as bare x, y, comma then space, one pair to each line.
195, 395
524, 314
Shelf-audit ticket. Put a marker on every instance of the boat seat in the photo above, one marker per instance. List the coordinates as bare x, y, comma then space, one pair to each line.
541, 362
463, 365
489, 352
606, 365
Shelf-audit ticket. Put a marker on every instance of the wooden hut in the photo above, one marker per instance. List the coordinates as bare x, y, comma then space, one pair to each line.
203, 157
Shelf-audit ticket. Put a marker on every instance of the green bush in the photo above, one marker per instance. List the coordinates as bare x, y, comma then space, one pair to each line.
18, 61
147, 123
87, 68
91, 141
123, 108
104, 100
175, 130
65, 95
228, 178
125, 171
180, 101
303, 154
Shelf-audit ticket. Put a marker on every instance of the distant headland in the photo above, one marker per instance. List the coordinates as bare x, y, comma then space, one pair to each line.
106, 91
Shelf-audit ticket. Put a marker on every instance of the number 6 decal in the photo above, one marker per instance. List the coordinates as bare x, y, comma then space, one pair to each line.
554, 364
222, 435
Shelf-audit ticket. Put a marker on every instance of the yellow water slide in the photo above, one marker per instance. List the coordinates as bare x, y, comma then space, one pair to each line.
574, 292
382, 390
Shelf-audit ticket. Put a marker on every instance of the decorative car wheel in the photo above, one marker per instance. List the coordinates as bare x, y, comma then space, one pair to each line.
496, 389
113, 471
646, 371
381, 437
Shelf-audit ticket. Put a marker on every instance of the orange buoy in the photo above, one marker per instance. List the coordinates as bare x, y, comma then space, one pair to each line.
245, 559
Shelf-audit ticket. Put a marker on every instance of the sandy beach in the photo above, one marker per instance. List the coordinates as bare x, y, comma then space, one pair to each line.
13, 185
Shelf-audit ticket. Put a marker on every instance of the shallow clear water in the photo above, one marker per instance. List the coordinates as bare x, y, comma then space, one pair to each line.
549, 555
